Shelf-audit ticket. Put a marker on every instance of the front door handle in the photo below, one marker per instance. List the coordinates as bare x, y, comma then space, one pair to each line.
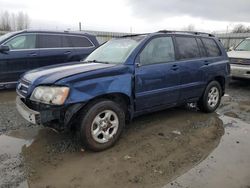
206, 62
175, 67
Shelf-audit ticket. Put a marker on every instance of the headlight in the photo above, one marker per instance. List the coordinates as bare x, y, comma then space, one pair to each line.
50, 95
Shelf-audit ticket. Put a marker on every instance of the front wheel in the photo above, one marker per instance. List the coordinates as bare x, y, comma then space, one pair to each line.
101, 125
211, 98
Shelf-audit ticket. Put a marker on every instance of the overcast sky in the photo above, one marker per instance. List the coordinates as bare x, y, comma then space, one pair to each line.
140, 15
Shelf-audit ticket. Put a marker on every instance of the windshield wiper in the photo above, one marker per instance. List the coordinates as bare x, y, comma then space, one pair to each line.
96, 61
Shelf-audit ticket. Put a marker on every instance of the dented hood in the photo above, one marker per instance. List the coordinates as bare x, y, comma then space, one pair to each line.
51, 74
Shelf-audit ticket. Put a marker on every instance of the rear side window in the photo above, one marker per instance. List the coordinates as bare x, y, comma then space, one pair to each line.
188, 47
211, 47
78, 41
202, 48
158, 50
50, 41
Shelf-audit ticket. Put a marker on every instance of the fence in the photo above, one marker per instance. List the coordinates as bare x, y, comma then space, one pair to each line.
103, 36
231, 39
227, 39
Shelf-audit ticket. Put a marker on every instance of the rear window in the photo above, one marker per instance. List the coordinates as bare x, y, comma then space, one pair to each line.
78, 41
211, 47
188, 47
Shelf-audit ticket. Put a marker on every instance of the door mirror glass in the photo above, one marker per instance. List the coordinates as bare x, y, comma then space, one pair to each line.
4, 48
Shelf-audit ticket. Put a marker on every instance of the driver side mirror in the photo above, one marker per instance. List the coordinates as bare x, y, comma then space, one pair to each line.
4, 48
231, 48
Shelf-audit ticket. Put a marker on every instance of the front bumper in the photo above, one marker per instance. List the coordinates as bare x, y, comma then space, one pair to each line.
240, 71
56, 117
27, 113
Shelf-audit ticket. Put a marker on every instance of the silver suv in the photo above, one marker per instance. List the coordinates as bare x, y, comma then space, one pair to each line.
240, 60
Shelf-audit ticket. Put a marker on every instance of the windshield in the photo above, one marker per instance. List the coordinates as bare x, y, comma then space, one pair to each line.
243, 46
115, 51
3, 37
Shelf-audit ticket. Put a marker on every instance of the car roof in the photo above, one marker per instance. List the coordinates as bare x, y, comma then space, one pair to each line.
189, 33
56, 32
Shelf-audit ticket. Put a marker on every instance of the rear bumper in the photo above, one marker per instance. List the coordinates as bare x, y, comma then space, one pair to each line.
240, 71
30, 115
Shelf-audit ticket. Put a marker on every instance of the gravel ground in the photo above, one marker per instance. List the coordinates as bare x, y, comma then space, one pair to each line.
154, 149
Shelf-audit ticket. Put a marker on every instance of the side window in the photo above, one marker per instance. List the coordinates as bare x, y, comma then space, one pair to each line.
50, 41
22, 42
211, 47
158, 50
66, 43
188, 48
201, 47
78, 41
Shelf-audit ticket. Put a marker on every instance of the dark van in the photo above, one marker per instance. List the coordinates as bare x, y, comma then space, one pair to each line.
25, 50
125, 78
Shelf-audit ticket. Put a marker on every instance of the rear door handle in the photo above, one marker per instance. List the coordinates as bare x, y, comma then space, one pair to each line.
33, 54
68, 52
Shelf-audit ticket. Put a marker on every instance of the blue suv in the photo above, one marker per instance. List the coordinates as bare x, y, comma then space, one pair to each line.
29, 49
125, 78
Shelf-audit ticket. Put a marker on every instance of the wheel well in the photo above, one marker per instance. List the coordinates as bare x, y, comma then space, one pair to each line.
120, 98
221, 81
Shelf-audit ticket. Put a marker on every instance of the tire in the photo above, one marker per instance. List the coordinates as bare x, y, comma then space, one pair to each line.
101, 125
211, 97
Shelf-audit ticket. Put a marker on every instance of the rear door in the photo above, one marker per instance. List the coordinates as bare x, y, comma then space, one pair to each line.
54, 49
23, 53
192, 63
215, 62
157, 76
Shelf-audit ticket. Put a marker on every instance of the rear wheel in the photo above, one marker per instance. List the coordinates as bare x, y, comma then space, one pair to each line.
101, 125
211, 98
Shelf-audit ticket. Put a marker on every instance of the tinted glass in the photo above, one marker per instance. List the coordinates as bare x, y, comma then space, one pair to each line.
158, 50
78, 41
22, 42
66, 43
50, 41
202, 48
211, 47
188, 47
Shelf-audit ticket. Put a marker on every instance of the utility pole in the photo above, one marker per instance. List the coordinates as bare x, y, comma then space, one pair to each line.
80, 26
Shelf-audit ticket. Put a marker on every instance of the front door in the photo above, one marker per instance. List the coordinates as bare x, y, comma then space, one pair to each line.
157, 76
18, 60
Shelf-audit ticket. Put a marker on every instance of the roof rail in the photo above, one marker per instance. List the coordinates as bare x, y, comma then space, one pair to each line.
189, 32
132, 35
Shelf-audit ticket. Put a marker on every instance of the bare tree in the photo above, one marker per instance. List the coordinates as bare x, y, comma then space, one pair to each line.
240, 28
12, 22
5, 21
190, 27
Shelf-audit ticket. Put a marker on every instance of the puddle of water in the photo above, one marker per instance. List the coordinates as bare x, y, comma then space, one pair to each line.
227, 166
11, 162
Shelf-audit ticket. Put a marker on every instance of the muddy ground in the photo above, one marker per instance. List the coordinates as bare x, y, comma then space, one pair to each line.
153, 150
